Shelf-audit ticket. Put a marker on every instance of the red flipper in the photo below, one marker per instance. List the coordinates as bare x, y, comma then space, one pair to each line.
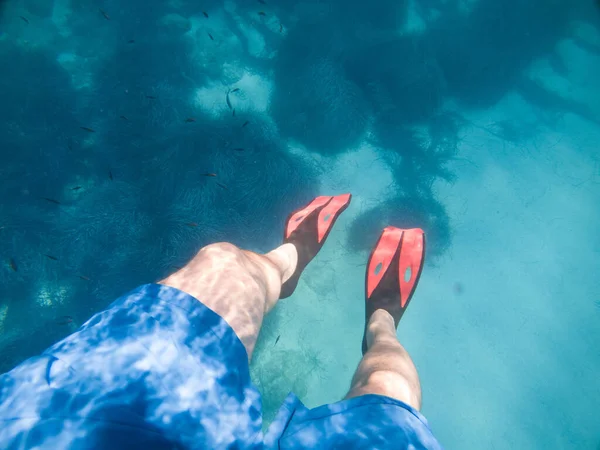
393, 271
308, 228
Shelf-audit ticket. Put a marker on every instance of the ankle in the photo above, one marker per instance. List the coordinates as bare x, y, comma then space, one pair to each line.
381, 328
285, 258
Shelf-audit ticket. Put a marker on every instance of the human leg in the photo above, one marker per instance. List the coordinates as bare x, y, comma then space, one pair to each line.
386, 368
393, 271
242, 286
239, 285
380, 411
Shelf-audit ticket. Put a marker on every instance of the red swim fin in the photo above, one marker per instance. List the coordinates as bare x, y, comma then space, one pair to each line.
393, 271
307, 228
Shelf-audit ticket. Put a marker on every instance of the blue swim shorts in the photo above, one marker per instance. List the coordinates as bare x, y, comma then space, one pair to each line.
159, 370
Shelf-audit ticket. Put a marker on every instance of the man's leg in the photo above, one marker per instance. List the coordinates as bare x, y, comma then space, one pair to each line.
242, 286
239, 285
386, 368
362, 420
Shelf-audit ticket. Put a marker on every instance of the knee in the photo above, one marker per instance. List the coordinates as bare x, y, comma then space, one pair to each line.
228, 257
394, 385
221, 256
222, 251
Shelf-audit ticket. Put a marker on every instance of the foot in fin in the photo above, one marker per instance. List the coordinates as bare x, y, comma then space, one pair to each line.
307, 228
393, 271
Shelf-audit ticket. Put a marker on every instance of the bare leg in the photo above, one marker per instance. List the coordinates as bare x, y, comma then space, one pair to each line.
239, 285
386, 368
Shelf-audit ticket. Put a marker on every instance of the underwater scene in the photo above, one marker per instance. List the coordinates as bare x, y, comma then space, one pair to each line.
132, 134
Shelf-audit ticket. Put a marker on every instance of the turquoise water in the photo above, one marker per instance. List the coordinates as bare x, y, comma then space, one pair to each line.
477, 121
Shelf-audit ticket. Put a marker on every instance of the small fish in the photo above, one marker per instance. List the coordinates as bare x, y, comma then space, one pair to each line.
51, 200
53, 258
192, 224
227, 100
177, 267
210, 36
151, 97
277, 340
13, 265
209, 174
83, 277
106, 16
261, 13
89, 130
223, 186
76, 188
245, 123
280, 27
233, 112
124, 118
64, 320
24, 19
205, 14
234, 90
238, 149
262, 2
110, 175
190, 120
131, 41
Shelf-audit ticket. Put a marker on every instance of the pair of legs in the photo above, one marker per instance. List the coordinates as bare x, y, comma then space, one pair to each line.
243, 286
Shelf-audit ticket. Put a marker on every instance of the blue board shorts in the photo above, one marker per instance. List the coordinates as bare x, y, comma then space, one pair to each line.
159, 370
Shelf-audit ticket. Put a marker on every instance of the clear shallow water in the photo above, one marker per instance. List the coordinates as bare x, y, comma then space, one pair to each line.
477, 122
